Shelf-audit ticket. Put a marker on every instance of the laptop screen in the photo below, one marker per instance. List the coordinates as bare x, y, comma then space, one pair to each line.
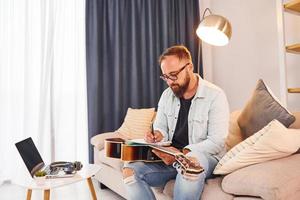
29, 154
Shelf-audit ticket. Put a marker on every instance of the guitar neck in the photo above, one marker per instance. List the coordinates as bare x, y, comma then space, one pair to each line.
188, 166
166, 150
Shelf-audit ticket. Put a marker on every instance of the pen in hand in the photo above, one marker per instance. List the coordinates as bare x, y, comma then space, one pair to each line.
152, 131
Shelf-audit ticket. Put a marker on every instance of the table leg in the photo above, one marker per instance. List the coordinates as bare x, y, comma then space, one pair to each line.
29, 191
92, 189
46, 194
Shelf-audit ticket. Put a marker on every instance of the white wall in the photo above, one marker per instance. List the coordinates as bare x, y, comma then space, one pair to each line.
253, 51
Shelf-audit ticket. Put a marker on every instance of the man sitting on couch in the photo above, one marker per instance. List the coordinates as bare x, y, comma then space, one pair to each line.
193, 114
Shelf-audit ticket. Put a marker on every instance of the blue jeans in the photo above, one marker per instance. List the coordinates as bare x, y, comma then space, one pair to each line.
147, 175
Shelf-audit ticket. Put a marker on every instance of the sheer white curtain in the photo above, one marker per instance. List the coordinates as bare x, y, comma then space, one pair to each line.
42, 81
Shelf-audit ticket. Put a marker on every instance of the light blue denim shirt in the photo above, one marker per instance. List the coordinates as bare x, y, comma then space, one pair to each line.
207, 119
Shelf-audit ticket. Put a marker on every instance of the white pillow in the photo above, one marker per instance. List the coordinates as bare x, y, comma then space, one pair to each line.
137, 122
272, 142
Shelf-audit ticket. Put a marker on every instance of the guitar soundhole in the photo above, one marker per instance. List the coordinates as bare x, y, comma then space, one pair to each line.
151, 156
143, 153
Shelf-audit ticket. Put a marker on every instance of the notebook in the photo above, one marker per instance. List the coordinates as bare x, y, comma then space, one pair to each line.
143, 142
34, 161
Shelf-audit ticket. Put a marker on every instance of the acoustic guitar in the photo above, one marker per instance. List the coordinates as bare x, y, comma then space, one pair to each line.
118, 148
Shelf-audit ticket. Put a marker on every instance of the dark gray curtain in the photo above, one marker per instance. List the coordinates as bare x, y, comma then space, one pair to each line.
124, 39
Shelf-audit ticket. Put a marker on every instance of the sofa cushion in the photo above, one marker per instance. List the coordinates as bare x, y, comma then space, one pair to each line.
212, 189
234, 132
137, 122
272, 142
113, 162
272, 180
262, 108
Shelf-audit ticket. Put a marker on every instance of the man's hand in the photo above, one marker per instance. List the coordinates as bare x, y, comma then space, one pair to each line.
191, 166
185, 151
156, 136
166, 158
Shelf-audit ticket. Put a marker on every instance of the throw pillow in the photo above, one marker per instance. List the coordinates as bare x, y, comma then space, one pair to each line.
234, 132
272, 142
276, 179
137, 122
296, 124
262, 108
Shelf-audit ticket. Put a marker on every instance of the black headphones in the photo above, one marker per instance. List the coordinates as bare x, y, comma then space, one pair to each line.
67, 167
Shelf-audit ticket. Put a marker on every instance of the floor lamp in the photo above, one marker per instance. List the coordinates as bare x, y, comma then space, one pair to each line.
213, 29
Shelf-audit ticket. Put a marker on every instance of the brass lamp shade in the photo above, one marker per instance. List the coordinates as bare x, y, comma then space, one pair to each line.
215, 30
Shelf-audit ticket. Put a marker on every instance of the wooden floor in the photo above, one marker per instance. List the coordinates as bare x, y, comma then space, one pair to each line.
77, 191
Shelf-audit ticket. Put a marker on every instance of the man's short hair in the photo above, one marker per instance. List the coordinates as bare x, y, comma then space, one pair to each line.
180, 51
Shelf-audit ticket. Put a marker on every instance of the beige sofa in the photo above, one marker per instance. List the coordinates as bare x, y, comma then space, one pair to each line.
274, 180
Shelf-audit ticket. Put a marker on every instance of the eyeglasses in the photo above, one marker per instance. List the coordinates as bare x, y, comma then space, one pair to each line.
173, 75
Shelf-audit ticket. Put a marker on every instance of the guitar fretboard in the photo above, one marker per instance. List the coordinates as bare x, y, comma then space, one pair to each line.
166, 150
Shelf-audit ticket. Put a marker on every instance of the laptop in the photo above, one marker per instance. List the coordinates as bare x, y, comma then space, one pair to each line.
34, 161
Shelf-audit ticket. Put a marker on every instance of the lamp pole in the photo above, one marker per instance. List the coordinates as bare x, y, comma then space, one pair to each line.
200, 62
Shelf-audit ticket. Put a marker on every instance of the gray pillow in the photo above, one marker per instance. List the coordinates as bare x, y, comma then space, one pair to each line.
262, 108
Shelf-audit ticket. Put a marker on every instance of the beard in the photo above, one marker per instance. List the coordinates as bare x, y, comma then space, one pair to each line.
180, 89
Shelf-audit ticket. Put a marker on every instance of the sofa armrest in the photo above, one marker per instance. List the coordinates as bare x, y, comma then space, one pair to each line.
98, 140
